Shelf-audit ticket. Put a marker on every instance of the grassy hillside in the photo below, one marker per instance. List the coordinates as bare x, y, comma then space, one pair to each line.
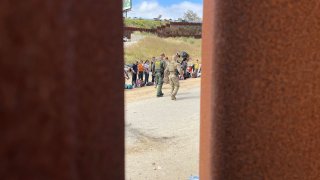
149, 24
152, 45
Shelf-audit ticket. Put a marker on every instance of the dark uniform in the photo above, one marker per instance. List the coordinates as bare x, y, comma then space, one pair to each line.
159, 67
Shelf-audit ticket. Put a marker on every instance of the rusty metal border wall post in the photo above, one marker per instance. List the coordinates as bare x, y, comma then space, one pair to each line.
260, 97
61, 110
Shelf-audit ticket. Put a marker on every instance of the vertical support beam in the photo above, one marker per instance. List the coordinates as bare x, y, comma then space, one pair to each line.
61, 112
208, 159
260, 113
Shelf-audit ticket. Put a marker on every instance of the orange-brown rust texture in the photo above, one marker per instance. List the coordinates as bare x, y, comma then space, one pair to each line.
61, 112
261, 90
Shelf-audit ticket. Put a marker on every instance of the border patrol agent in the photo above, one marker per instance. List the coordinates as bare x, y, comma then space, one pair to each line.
174, 70
159, 67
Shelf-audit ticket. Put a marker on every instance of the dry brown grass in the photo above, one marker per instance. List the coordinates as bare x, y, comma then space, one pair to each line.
152, 45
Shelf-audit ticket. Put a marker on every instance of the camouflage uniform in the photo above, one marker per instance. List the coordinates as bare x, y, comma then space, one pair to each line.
159, 66
174, 70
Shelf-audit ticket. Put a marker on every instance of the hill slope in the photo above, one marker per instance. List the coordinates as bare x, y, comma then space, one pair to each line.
152, 45
142, 23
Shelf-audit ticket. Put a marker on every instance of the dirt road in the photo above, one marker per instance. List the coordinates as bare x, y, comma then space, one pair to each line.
162, 136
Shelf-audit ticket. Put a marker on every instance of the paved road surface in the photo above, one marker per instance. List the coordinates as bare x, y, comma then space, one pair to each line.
162, 137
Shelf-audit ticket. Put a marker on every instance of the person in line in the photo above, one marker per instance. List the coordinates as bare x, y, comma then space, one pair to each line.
152, 70
196, 69
184, 65
174, 70
140, 70
166, 75
167, 61
146, 72
125, 73
134, 71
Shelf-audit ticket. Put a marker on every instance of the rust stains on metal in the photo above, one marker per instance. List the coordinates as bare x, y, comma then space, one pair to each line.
59, 117
260, 90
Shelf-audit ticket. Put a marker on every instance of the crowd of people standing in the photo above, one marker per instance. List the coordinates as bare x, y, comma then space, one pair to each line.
141, 71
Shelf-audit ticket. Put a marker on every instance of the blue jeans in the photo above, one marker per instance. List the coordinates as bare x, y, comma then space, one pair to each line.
146, 80
140, 76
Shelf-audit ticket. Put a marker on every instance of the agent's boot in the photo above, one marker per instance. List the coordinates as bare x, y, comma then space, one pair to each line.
173, 97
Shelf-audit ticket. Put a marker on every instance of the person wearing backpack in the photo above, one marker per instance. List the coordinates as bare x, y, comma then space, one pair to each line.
184, 65
140, 70
173, 70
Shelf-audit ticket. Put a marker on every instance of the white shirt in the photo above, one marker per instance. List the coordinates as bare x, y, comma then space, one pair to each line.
146, 68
